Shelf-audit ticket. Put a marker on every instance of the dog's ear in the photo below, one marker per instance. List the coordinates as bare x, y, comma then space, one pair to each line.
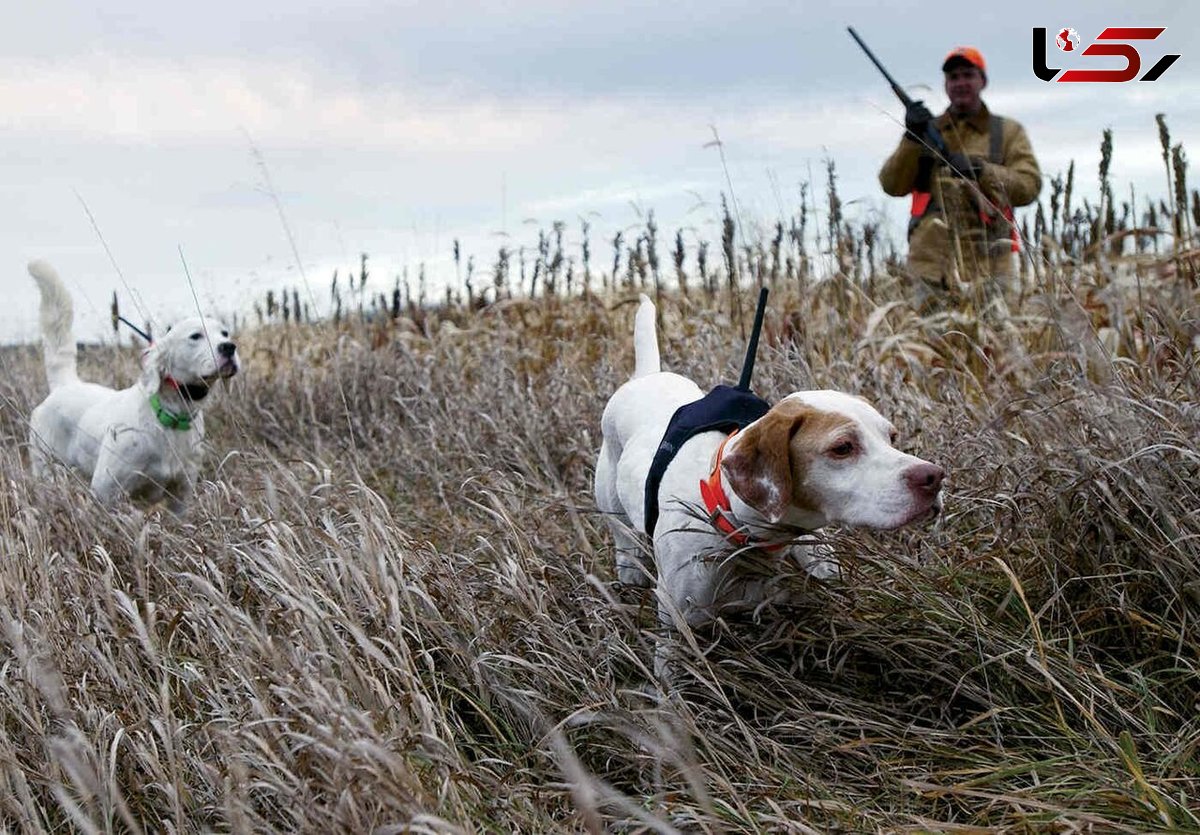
153, 368
760, 467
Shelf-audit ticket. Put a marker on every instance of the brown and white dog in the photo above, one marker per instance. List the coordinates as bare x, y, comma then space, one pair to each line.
143, 442
815, 458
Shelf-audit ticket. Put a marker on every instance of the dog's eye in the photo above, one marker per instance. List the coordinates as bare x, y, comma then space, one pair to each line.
195, 336
224, 334
843, 449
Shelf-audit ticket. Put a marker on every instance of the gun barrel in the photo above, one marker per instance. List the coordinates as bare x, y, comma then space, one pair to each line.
933, 137
896, 88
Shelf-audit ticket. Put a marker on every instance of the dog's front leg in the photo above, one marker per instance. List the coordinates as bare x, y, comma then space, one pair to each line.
105, 486
119, 472
685, 599
670, 645
818, 559
39, 458
179, 494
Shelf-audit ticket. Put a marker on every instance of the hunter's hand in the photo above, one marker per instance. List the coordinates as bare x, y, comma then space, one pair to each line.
917, 118
963, 165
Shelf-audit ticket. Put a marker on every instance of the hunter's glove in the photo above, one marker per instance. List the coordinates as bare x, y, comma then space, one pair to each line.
917, 118
964, 166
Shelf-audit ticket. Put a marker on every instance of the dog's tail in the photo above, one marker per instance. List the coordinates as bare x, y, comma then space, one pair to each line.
645, 340
57, 315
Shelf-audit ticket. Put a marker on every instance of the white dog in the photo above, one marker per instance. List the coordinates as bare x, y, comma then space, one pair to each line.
143, 442
815, 458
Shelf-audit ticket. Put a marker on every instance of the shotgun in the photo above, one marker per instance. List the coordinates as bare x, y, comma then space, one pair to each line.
933, 137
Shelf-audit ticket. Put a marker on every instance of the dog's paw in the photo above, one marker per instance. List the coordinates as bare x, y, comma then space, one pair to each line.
824, 568
819, 561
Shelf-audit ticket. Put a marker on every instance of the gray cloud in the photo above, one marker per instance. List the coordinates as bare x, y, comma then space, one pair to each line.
393, 130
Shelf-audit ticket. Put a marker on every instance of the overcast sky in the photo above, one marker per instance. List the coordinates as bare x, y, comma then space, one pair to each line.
392, 129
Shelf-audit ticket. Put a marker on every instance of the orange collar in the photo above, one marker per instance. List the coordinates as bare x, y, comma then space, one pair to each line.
716, 502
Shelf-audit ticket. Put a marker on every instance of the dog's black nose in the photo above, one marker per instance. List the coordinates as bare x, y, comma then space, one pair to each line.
226, 349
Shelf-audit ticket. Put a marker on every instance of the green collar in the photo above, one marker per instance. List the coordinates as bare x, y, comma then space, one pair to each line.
171, 421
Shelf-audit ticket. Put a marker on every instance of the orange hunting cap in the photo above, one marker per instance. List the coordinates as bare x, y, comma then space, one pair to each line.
965, 54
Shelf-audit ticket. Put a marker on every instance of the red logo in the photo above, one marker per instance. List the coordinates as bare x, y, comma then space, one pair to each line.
1067, 39
1113, 41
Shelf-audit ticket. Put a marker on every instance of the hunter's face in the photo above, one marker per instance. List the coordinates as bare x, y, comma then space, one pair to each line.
964, 83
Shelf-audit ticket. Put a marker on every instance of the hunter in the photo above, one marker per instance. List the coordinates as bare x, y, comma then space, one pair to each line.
962, 240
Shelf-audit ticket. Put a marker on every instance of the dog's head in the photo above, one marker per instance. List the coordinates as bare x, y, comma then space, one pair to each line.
819, 457
194, 353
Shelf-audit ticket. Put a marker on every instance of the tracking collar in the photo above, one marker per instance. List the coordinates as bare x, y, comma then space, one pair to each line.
181, 422
720, 515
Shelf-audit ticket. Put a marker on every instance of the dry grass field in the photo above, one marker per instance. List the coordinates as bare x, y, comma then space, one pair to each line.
391, 606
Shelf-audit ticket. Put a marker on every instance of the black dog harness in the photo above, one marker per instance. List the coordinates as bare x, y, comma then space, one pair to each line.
724, 409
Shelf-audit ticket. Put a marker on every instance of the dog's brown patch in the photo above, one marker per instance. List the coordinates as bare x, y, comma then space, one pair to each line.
768, 465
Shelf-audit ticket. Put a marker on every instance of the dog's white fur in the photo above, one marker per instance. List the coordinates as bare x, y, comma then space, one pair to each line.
816, 458
113, 437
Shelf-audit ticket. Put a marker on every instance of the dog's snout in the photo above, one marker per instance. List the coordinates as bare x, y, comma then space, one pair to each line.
925, 478
227, 349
